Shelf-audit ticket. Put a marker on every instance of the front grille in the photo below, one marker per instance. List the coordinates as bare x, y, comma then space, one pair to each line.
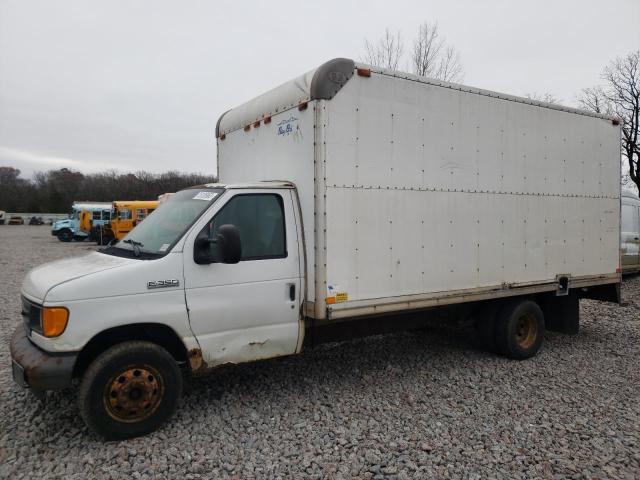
31, 315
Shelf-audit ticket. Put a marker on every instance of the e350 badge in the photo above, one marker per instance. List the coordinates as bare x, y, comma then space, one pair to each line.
163, 283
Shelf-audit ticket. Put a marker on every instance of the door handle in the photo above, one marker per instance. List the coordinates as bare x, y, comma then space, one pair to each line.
292, 292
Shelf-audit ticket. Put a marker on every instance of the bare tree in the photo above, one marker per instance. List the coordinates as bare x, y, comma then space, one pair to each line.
620, 96
450, 67
432, 57
544, 97
386, 52
595, 100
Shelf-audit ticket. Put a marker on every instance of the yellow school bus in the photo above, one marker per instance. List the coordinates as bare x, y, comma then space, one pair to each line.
126, 215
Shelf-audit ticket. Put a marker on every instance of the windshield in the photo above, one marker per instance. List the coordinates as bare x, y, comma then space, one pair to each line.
74, 214
164, 227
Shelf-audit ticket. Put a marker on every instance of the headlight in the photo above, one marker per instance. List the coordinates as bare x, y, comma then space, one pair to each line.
54, 321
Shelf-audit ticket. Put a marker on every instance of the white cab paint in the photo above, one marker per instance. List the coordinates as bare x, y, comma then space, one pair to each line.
242, 312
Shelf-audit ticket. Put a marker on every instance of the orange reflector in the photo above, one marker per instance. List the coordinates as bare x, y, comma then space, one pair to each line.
223, 136
331, 300
54, 321
302, 106
267, 119
256, 124
364, 72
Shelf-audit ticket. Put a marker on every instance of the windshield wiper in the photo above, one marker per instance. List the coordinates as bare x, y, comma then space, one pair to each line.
136, 246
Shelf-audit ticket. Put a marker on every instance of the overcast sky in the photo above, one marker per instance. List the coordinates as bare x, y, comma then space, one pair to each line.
139, 85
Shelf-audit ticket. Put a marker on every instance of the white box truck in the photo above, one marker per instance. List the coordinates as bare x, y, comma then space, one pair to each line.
353, 200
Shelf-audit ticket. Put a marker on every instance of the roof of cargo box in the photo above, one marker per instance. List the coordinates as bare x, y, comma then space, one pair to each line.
325, 81
260, 184
320, 83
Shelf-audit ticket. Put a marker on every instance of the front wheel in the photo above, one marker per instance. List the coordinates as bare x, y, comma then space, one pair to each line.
129, 390
65, 235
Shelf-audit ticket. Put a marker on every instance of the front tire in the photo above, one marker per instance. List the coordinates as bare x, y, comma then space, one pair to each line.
65, 235
519, 329
129, 390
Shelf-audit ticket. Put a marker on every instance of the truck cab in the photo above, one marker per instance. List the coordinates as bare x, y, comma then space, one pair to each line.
192, 264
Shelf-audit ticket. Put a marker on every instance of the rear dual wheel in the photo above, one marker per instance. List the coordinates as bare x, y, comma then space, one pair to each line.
515, 329
130, 390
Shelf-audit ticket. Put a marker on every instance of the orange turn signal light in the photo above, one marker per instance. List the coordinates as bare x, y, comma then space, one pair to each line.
54, 321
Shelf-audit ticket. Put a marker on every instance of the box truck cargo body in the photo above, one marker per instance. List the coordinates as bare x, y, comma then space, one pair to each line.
353, 200
417, 193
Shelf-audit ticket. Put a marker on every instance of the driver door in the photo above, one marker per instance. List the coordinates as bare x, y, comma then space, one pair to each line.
249, 310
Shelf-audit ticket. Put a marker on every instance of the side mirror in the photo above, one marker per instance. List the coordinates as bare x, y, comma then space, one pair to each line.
229, 246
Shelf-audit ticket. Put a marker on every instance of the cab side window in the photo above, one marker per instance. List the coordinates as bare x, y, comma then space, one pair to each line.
260, 221
96, 215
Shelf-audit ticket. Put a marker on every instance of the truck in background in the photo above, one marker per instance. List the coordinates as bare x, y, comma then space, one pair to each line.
2, 217
69, 228
398, 198
630, 232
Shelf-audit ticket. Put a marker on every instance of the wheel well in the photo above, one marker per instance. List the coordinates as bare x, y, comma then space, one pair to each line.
159, 334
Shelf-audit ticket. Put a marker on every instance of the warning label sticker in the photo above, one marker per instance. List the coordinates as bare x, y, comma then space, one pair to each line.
336, 295
341, 297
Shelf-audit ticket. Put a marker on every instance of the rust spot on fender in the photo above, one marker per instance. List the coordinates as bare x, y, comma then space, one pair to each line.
196, 361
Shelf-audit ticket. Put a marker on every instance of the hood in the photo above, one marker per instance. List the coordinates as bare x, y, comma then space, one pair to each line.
43, 278
61, 223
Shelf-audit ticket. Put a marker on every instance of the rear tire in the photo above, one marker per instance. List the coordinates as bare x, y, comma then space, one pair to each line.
65, 235
129, 390
519, 329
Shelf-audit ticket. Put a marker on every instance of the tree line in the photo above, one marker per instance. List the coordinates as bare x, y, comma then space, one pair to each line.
55, 191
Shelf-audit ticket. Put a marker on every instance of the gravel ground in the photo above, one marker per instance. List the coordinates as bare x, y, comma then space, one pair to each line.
398, 406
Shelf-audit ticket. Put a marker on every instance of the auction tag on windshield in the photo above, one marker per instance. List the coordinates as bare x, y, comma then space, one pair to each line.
164, 247
205, 196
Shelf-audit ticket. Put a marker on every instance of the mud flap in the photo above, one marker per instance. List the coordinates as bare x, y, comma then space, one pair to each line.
561, 314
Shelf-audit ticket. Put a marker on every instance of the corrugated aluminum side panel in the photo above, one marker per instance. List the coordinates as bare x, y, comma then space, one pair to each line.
432, 189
